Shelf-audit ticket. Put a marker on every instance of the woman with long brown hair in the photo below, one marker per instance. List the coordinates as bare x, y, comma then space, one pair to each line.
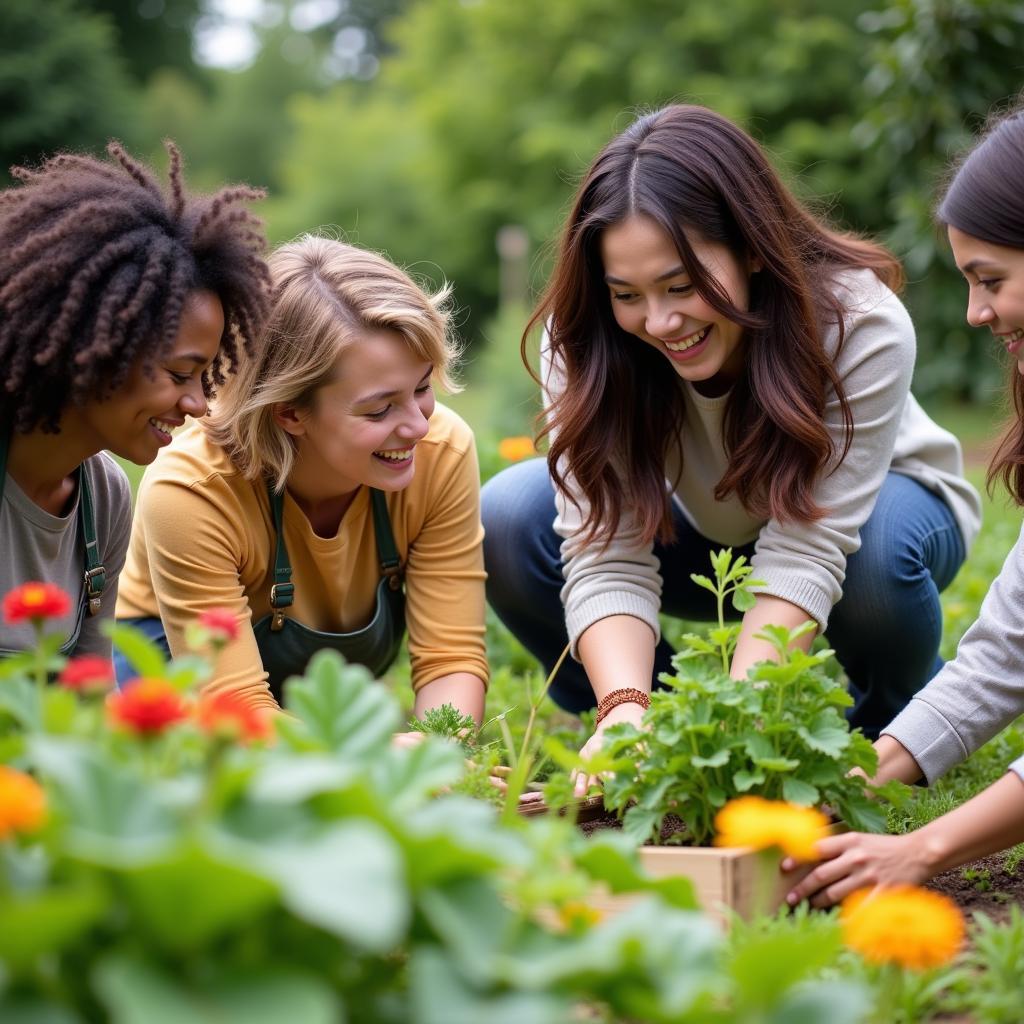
722, 368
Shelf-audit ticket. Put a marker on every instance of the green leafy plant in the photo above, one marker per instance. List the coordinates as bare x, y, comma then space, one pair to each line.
707, 738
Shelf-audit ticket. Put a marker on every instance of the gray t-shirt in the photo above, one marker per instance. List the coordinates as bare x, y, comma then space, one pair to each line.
35, 545
981, 690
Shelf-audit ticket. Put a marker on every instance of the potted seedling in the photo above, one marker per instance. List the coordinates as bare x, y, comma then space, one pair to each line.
708, 739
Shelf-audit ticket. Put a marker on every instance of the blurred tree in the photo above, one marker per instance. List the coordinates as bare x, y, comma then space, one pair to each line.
62, 82
935, 70
151, 34
484, 110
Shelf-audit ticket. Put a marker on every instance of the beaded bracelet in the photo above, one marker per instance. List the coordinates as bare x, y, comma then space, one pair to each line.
627, 695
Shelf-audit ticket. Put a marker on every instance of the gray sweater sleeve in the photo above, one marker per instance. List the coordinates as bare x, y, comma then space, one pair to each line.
980, 691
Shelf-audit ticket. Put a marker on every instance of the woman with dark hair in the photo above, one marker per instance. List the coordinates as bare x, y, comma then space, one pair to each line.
721, 368
982, 690
121, 307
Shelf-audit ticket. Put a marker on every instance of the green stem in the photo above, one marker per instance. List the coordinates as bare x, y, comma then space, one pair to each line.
520, 772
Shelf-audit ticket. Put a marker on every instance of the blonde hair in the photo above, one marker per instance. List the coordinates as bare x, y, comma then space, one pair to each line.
326, 295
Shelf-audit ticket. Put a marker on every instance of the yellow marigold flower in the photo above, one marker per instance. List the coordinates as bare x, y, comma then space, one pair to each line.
761, 824
904, 925
515, 449
22, 802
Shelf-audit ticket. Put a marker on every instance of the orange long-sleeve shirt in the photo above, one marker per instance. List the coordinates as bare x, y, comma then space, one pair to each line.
203, 537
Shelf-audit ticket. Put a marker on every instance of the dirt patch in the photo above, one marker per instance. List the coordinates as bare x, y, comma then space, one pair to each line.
984, 886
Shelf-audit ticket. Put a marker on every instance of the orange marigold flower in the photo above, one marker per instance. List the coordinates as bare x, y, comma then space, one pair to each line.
88, 673
904, 925
35, 602
22, 802
228, 715
220, 623
515, 449
147, 706
761, 824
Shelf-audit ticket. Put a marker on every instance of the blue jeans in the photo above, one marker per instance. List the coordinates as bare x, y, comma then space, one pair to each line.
153, 629
885, 629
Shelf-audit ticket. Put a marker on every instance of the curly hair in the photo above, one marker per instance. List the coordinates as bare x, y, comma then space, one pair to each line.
96, 264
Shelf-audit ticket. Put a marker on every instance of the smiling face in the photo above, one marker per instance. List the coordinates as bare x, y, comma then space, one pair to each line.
653, 299
135, 421
363, 427
995, 278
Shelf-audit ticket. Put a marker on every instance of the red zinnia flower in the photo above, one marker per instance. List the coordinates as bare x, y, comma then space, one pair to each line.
147, 706
87, 674
220, 623
36, 602
227, 714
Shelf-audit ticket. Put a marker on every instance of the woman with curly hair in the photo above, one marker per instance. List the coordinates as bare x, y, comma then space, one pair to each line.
328, 500
721, 368
122, 306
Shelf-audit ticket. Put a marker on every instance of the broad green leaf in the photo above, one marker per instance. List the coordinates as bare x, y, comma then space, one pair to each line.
59, 709
348, 880
641, 824
717, 796
191, 897
743, 600
612, 860
777, 764
715, 760
135, 991
767, 965
407, 776
441, 995
294, 779
47, 921
799, 792
744, 780
114, 817
836, 1001
19, 698
824, 735
341, 708
141, 653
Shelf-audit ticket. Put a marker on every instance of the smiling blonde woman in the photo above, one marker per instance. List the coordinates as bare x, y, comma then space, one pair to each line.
328, 500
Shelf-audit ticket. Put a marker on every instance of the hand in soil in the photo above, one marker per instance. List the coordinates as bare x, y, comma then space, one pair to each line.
632, 713
499, 773
856, 860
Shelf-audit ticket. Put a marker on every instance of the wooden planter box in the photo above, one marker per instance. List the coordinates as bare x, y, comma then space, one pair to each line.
726, 879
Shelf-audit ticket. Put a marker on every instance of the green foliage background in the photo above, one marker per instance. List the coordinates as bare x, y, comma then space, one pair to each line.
473, 115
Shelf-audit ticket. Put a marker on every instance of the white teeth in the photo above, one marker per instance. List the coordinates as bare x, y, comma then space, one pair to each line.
1018, 335
166, 428
694, 339
396, 456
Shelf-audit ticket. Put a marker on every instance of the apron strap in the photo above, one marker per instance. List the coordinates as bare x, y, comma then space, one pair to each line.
95, 575
282, 590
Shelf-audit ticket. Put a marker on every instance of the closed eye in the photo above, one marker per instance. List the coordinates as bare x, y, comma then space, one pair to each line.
180, 378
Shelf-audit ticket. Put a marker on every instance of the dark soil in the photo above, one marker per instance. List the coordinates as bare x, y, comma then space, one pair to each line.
984, 886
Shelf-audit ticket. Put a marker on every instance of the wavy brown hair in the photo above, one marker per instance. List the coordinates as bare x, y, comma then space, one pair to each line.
984, 199
96, 263
692, 170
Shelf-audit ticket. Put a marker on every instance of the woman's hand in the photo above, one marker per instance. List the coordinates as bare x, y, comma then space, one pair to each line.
857, 860
629, 712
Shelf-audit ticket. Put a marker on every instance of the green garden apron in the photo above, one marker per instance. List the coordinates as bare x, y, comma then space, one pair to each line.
286, 645
94, 576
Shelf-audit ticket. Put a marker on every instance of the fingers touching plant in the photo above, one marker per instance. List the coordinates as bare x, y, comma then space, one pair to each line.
708, 738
